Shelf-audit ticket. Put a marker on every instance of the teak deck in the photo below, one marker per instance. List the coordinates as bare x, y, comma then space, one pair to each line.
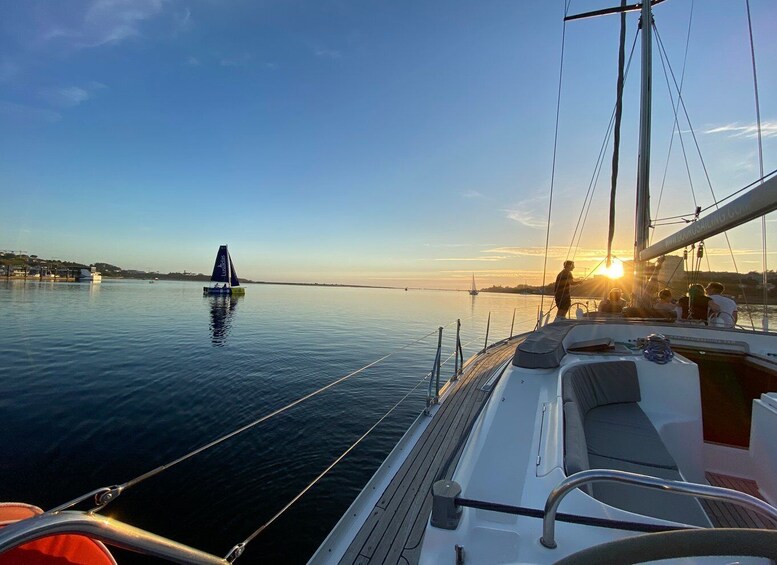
727, 515
394, 530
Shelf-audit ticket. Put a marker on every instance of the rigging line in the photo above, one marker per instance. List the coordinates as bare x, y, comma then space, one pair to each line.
678, 217
616, 144
664, 56
321, 475
760, 162
583, 217
555, 149
733, 194
701, 159
673, 272
676, 125
157, 470
672, 223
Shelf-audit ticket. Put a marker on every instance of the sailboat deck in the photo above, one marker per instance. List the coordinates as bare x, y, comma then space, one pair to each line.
726, 515
395, 528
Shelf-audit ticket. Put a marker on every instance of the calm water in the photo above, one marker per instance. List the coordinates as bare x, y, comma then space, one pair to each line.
101, 383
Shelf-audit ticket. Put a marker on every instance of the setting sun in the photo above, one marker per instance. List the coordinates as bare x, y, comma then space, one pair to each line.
615, 271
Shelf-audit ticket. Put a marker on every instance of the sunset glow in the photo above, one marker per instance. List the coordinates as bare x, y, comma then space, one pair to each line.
614, 271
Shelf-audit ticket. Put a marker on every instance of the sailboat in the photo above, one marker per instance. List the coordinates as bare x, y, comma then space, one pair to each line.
473, 290
583, 441
619, 423
224, 279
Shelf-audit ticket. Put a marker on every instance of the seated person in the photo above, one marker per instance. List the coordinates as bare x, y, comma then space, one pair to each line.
613, 304
697, 306
665, 302
727, 316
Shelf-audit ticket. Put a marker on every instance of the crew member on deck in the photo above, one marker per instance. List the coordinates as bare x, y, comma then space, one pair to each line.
697, 306
665, 302
562, 291
727, 316
614, 303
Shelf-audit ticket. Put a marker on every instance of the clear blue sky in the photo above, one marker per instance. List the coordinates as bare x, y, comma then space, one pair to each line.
375, 142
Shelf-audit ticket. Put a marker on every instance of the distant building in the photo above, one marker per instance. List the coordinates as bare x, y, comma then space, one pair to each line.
671, 269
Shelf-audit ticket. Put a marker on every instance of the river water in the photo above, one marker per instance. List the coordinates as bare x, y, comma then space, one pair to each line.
101, 383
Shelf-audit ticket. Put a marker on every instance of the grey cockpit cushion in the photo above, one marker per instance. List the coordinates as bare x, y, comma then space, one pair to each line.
623, 431
598, 384
605, 428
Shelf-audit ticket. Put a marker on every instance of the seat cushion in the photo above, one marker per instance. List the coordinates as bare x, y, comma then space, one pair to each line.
597, 384
649, 502
623, 431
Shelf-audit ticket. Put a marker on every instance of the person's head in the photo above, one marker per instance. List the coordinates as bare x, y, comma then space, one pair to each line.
715, 288
695, 290
665, 295
569, 265
615, 294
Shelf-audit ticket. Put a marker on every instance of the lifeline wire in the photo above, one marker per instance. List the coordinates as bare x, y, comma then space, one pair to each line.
113, 492
310, 485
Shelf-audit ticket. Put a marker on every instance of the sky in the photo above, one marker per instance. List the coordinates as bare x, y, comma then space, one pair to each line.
374, 142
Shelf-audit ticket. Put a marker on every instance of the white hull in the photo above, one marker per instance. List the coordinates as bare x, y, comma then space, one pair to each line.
515, 453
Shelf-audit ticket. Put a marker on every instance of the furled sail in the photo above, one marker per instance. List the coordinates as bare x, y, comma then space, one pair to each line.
220, 268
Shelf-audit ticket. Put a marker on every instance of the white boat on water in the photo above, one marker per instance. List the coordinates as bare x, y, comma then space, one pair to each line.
601, 440
473, 289
90, 275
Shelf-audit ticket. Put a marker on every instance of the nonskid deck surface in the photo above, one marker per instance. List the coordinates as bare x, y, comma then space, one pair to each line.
395, 528
726, 515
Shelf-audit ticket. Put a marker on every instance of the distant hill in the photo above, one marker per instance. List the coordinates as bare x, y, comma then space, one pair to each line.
108, 270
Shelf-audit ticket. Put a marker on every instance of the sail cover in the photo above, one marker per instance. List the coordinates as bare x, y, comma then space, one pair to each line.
233, 275
220, 269
754, 204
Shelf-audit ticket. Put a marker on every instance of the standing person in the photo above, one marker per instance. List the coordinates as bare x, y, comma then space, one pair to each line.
727, 317
561, 293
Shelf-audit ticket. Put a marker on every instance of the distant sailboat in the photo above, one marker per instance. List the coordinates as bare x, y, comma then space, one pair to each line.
224, 279
474, 290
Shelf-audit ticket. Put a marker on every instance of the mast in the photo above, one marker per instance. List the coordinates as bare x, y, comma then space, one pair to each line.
642, 218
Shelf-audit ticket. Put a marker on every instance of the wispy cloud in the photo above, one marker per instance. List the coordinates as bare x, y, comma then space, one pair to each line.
472, 194
193, 62
238, 61
486, 258
22, 113
105, 22
557, 252
526, 216
447, 244
70, 96
328, 53
768, 129
182, 22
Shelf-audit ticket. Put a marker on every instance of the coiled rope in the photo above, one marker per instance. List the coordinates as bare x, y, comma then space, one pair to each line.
657, 349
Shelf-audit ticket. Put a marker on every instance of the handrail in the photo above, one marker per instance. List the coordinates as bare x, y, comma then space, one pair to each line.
434, 375
107, 530
678, 487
